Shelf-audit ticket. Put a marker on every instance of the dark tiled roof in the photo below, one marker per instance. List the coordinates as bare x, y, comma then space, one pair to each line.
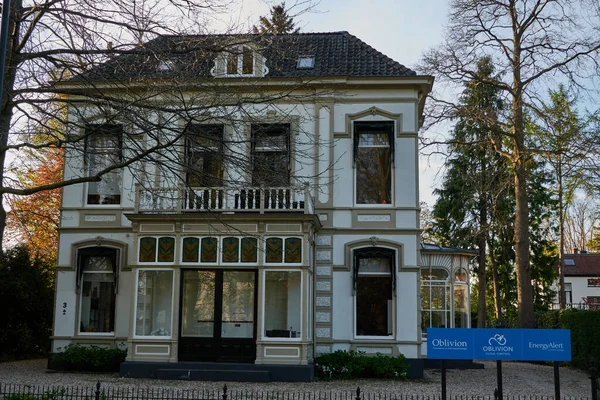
586, 264
336, 54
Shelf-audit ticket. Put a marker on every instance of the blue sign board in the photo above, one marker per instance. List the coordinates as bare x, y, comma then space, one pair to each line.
499, 344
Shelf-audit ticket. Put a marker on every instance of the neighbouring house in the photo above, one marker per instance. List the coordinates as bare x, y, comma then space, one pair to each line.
582, 280
278, 220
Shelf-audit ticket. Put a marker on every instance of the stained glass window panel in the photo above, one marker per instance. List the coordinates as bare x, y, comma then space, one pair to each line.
274, 249
166, 249
249, 250
208, 251
147, 249
293, 250
230, 249
191, 249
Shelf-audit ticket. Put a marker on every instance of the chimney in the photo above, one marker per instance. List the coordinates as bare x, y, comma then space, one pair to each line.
576, 250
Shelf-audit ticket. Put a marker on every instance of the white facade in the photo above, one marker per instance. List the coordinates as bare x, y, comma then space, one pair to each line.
246, 272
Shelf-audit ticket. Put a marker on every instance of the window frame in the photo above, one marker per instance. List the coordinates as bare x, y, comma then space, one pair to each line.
103, 129
238, 52
114, 254
284, 129
156, 262
387, 127
263, 335
135, 303
206, 132
375, 252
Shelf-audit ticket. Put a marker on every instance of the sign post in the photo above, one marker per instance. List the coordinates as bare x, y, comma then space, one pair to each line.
500, 344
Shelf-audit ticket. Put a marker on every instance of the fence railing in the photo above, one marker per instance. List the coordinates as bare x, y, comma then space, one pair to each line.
223, 199
104, 392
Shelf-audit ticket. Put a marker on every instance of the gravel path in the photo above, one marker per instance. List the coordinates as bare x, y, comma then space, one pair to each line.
519, 379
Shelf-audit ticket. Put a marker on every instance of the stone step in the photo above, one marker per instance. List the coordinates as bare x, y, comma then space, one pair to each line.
214, 375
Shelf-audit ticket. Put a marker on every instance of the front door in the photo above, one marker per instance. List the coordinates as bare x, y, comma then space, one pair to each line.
218, 312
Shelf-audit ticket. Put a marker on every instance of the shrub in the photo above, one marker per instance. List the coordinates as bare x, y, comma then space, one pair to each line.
87, 358
584, 326
27, 293
352, 364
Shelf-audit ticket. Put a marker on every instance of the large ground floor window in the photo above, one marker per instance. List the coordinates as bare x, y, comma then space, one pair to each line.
154, 302
283, 304
373, 283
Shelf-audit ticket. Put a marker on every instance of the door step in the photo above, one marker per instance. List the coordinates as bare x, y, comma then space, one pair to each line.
214, 375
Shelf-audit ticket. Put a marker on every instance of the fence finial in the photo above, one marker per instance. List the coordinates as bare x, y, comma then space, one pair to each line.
97, 394
224, 392
358, 393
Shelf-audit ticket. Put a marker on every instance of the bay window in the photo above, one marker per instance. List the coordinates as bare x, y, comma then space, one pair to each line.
154, 302
283, 299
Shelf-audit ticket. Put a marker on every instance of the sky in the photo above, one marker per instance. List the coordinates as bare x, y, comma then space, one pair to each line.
400, 29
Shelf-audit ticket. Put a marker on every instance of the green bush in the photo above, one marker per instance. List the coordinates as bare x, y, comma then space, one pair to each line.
87, 358
352, 364
584, 326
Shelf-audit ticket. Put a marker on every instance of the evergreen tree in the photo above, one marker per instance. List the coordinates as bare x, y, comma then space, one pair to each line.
279, 22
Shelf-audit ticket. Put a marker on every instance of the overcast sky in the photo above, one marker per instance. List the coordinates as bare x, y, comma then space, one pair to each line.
400, 29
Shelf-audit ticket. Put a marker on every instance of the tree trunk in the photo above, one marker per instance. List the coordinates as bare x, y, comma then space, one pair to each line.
6, 110
495, 281
561, 237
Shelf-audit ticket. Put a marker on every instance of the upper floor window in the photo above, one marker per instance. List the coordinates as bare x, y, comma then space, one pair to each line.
373, 160
204, 155
270, 154
103, 148
97, 270
240, 61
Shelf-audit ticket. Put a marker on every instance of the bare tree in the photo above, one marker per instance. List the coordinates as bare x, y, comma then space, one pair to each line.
73, 62
531, 43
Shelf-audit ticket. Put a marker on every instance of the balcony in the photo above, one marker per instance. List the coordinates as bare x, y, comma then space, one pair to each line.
223, 200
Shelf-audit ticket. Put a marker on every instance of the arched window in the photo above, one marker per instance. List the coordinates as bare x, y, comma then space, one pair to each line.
374, 281
97, 273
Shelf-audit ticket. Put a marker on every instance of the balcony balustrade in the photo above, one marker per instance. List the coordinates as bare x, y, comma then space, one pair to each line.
223, 200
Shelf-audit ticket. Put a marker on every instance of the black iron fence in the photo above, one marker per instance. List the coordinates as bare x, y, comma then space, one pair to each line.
103, 392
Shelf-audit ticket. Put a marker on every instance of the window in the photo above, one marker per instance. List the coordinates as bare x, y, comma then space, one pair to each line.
270, 155
154, 303
204, 155
435, 299
461, 304
373, 160
154, 249
593, 282
240, 61
374, 285
103, 150
204, 166
283, 299
96, 283
568, 293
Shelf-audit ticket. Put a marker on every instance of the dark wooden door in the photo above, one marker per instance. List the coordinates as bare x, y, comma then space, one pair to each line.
217, 315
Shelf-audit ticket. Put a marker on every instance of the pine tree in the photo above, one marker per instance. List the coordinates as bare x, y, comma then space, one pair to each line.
279, 23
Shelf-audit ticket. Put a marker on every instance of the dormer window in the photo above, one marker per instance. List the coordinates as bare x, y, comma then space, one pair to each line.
239, 61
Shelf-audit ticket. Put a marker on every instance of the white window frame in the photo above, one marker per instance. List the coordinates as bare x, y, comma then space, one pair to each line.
282, 262
392, 169
137, 277
80, 295
263, 280
393, 308
239, 262
240, 61
87, 166
199, 262
156, 262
